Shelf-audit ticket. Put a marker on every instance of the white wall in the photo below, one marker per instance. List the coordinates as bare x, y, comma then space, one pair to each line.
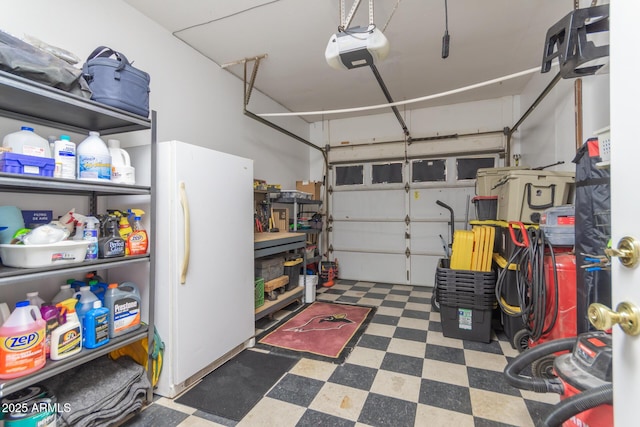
548, 134
196, 101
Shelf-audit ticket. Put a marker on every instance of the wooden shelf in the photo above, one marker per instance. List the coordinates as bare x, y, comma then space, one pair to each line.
265, 244
283, 300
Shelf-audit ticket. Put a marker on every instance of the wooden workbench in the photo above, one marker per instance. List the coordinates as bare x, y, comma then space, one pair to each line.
265, 244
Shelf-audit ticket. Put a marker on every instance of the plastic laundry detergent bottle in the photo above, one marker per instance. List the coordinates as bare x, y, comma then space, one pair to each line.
66, 339
85, 299
22, 339
27, 142
93, 159
121, 170
123, 302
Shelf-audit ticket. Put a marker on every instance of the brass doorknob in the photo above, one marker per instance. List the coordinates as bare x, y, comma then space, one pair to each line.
628, 251
627, 315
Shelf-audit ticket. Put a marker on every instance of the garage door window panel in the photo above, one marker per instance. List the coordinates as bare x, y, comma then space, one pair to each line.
388, 173
349, 175
467, 168
434, 170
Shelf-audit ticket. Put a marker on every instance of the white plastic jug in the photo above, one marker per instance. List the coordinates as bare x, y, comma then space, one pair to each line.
34, 299
85, 301
93, 158
119, 156
27, 142
22, 340
4, 312
121, 170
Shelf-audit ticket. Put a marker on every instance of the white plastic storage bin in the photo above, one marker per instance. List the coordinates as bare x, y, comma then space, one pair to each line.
524, 195
33, 256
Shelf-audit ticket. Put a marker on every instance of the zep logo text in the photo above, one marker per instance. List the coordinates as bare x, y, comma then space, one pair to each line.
21, 342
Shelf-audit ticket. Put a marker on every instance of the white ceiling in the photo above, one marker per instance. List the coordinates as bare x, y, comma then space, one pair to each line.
489, 39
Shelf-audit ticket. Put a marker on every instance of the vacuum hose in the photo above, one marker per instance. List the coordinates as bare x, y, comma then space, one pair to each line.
524, 359
579, 403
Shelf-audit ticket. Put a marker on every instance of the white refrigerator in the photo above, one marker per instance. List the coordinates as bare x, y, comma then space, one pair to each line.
204, 294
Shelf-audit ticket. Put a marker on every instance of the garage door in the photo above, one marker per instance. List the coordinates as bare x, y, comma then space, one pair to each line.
385, 225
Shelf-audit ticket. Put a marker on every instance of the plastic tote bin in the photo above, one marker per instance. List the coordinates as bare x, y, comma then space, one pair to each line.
26, 165
292, 269
466, 323
524, 195
486, 207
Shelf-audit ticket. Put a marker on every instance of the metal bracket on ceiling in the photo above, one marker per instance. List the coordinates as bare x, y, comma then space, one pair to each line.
248, 87
254, 72
346, 21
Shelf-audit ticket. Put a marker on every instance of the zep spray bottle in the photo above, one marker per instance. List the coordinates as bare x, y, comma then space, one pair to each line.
22, 339
123, 302
66, 339
138, 240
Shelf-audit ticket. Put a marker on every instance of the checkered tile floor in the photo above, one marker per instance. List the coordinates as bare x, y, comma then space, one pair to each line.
403, 372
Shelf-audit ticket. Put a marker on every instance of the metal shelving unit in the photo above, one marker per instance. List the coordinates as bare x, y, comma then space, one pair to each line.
25, 100
296, 202
266, 244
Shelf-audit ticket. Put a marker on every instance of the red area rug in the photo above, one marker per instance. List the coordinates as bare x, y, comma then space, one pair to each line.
321, 330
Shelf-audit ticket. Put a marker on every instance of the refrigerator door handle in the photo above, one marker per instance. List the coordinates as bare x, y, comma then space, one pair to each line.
187, 226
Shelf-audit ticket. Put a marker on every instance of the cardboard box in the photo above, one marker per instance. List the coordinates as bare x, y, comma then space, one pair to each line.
280, 218
312, 187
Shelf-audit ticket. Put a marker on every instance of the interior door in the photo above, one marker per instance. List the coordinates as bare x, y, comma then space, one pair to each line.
625, 207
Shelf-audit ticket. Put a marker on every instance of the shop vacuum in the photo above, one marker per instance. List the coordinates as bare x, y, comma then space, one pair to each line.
583, 379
